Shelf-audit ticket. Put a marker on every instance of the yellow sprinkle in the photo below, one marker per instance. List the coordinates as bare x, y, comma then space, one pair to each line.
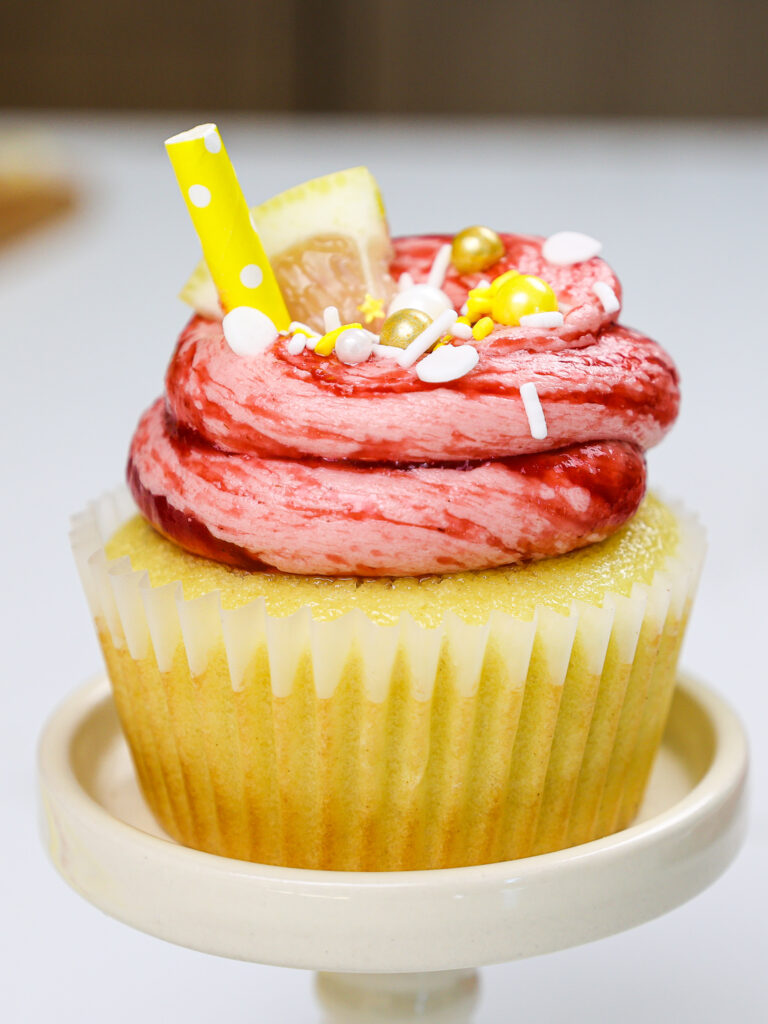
502, 279
481, 292
477, 307
482, 328
324, 347
371, 308
463, 320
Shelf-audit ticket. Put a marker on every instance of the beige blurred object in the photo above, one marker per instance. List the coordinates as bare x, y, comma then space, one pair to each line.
34, 188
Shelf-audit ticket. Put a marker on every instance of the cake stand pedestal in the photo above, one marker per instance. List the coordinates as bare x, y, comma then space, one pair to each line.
390, 946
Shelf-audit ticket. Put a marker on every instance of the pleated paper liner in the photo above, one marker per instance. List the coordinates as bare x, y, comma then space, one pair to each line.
345, 744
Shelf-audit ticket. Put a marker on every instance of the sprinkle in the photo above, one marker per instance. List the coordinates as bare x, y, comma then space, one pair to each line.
354, 345
325, 345
567, 247
424, 341
440, 266
607, 297
248, 331
464, 309
312, 341
297, 344
297, 327
388, 351
461, 330
432, 301
251, 276
552, 319
534, 411
199, 195
449, 362
404, 282
482, 328
331, 318
483, 283
371, 308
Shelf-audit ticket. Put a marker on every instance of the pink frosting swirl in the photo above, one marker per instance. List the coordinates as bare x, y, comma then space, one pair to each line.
304, 464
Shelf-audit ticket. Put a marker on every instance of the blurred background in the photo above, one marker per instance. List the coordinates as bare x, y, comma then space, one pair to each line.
647, 58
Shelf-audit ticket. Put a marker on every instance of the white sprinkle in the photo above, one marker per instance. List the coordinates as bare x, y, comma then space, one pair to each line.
533, 410
483, 283
311, 342
439, 267
464, 309
447, 363
404, 281
541, 320
607, 297
297, 344
199, 195
429, 300
567, 247
248, 331
463, 331
251, 276
388, 351
331, 318
212, 140
354, 345
431, 333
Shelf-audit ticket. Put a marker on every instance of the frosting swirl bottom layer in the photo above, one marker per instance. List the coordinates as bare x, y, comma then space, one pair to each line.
338, 518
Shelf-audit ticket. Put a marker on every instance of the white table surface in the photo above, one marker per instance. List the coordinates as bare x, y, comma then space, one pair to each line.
88, 319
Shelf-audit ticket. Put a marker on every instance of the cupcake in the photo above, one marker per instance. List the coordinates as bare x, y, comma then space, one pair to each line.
387, 591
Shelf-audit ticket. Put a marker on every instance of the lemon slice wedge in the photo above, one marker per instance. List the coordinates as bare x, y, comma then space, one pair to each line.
328, 243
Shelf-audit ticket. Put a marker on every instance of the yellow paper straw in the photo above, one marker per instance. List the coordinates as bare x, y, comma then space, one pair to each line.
231, 246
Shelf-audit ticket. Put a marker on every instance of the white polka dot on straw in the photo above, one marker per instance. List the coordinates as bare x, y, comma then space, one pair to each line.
199, 195
212, 141
251, 276
533, 410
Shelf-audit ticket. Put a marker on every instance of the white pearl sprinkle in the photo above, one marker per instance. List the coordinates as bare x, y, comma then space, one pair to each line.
354, 345
251, 276
199, 195
567, 247
542, 320
212, 141
607, 297
449, 362
429, 300
533, 410
248, 331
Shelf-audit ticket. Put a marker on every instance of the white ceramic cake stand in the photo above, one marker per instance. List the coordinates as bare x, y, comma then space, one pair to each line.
400, 945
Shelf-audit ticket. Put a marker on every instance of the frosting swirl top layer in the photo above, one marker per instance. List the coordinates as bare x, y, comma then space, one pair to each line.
309, 465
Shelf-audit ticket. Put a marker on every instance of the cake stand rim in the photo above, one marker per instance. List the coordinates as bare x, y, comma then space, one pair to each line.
714, 807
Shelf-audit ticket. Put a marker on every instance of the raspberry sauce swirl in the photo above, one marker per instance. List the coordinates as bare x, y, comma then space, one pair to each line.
303, 464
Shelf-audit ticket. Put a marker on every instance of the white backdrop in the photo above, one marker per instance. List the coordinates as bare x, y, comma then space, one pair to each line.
88, 318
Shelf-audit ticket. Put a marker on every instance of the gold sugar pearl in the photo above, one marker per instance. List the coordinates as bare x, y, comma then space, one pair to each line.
402, 327
475, 249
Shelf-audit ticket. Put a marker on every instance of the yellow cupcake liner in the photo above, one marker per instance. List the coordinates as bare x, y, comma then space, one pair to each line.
346, 744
